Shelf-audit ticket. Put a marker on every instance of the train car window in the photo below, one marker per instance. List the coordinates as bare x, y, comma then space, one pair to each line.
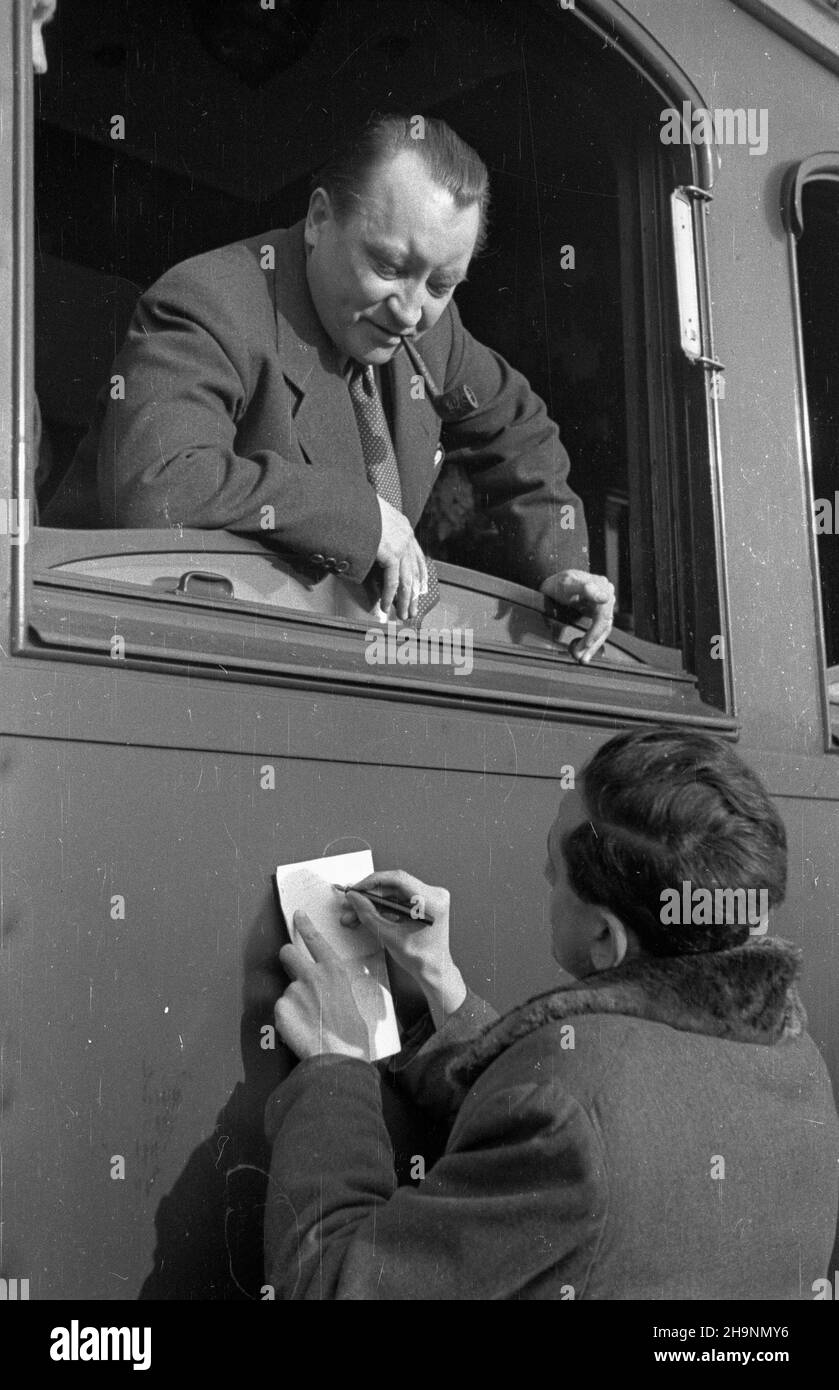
162, 132
811, 205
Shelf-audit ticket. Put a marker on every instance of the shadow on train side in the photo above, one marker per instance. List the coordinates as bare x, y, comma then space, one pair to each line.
209, 1225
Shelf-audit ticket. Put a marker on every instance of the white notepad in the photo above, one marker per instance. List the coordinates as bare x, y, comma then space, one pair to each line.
308, 887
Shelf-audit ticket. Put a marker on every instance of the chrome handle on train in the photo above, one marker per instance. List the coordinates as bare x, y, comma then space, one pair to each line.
191, 582
687, 275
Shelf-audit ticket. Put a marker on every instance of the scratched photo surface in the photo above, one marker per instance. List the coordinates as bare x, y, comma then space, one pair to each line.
418, 437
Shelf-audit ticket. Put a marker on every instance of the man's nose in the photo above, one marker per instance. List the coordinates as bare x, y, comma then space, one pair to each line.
406, 308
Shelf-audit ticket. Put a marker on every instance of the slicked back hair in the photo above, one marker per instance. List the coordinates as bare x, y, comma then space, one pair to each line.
668, 808
450, 162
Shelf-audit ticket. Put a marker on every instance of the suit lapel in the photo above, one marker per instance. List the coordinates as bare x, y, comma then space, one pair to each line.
416, 430
322, 417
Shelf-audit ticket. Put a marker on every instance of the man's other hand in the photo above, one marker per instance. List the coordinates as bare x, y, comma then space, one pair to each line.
403, 563
318, 1013
592, 594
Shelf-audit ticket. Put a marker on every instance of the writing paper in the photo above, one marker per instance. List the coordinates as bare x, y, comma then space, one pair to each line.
307, 887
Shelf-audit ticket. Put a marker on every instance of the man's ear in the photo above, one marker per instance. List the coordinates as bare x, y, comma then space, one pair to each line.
611, 943
320, 211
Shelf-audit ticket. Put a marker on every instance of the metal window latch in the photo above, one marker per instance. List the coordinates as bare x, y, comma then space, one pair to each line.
694, 191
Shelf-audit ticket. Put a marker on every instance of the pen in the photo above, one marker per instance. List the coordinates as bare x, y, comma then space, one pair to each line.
378, 900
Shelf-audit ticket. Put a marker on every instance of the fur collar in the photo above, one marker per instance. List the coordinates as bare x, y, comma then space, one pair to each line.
747, 994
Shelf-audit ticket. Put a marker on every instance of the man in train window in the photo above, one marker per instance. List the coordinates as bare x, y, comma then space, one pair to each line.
298, 385
662, 1127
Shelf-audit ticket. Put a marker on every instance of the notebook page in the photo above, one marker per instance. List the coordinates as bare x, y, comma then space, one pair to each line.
307, 887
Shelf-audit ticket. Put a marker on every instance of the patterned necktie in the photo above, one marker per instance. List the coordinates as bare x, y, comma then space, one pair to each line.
380, 461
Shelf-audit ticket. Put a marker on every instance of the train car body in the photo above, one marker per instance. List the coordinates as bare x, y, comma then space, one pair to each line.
168, 739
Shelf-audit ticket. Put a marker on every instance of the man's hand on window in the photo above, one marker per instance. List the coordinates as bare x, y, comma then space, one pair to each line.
405, 577
591, 594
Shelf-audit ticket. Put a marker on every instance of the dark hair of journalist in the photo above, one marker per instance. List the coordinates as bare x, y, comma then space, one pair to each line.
668, 808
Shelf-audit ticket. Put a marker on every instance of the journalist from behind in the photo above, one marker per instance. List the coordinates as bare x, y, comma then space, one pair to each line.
661, 1127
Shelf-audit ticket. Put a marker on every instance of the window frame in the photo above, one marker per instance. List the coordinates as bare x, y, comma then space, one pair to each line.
823, 166
813, 31
715, 710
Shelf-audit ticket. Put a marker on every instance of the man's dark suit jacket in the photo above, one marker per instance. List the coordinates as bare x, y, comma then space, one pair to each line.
235, 402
